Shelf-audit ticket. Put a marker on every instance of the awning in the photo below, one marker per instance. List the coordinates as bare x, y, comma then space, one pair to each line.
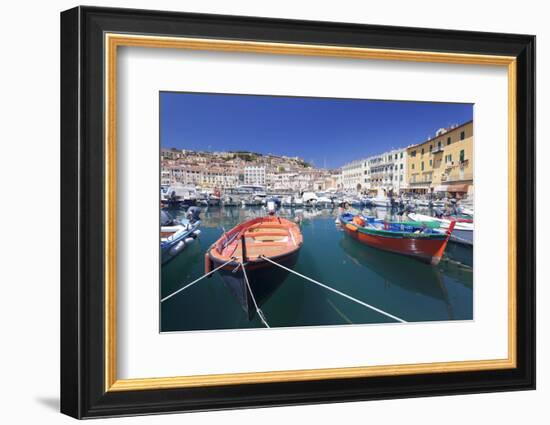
457, 188
440, 188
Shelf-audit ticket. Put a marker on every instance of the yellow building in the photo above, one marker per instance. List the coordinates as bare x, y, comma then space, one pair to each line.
444, 163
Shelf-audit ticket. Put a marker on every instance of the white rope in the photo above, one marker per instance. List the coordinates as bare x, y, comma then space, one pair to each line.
258, 310
195, 281
337, 292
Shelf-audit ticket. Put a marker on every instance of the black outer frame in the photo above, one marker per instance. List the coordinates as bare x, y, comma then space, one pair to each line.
82, 212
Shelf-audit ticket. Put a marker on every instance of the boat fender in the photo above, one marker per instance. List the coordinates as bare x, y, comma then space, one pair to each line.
359, 221
197, 233
351, 227
177, 248
207, 264
189, 240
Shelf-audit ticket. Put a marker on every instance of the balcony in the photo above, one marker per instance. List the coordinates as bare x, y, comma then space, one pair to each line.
457, 177
438, 149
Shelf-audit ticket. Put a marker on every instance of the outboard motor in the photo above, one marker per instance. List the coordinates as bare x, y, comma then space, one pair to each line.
193, 214
404, 208
271, 207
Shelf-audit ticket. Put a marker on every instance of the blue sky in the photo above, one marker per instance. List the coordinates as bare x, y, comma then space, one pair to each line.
323, 131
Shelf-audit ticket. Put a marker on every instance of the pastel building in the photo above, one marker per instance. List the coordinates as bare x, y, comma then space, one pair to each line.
444, 163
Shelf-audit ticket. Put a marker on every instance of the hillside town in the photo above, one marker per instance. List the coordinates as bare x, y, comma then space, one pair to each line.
226, 170
442, 164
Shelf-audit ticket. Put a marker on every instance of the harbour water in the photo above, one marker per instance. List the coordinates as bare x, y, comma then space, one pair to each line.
396, 284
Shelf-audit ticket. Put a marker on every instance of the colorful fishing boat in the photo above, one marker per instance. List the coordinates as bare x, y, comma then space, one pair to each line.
463, 232
247, 274
425, 241
176, 235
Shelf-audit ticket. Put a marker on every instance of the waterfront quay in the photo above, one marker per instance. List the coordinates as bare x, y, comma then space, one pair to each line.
439, 167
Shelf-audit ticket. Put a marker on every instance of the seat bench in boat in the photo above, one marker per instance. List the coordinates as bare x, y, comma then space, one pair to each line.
270, 237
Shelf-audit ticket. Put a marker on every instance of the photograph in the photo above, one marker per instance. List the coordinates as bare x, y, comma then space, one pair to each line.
280, 211
265, 209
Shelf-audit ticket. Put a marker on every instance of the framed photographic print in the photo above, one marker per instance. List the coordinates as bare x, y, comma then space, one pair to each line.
261, 212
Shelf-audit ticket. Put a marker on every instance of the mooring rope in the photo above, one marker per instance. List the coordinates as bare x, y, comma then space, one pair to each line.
195, 281
349, 297
258, 310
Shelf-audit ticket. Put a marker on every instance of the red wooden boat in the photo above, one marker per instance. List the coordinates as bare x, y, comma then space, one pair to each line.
273, 237
418, 240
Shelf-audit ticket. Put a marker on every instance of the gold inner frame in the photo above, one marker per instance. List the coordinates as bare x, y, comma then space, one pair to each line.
113, 41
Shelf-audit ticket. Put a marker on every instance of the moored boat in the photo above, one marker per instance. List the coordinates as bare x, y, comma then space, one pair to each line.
214, 201
251, 201
247, 244
324, 202
229, 201
424, 242
175, 235
287, 201
382, 202
178, 195
463, 230
309, 199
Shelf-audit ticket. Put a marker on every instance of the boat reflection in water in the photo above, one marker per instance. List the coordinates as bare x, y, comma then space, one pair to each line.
460, 253
396, 271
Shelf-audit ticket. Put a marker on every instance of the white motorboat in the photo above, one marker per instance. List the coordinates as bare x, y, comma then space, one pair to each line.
175, 235
381, 202
309, 199
463, 232
229, 201
298, 202
179, 195
324, 202
287, 201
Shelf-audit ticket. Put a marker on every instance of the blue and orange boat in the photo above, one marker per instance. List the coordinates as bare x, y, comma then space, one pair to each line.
423, 241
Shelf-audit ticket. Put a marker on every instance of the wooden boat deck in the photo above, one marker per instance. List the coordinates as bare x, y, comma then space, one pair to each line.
270, 236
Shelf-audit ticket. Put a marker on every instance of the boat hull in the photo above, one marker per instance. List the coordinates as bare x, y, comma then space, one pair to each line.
264, 278
464, 237
381, 203
427, 250
178, 203
171, 249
